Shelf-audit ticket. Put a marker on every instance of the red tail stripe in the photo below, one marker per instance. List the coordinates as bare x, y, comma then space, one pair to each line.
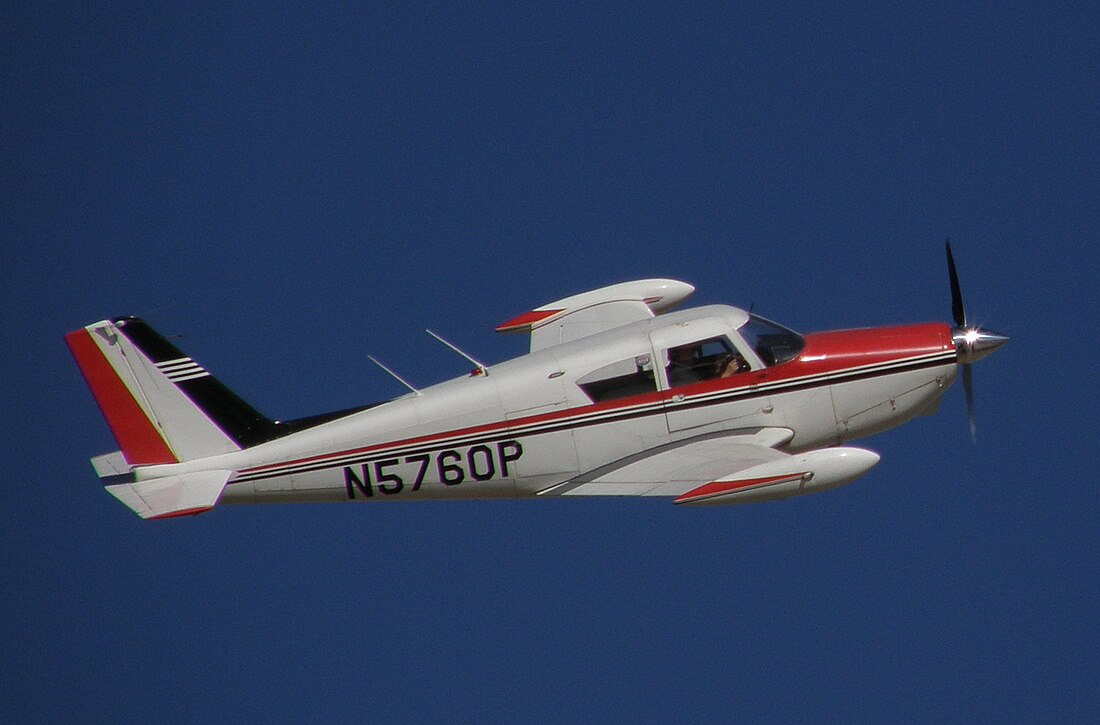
140, 441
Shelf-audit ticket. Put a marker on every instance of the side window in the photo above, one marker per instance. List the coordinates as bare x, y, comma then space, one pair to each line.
708, 359
620, 380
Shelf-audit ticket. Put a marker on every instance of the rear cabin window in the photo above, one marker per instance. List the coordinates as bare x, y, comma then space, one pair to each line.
620, 380
774, 343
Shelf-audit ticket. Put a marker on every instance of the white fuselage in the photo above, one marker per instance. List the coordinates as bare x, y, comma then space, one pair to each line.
527, 425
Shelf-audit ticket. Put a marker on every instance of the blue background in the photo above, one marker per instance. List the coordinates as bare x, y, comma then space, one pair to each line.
290, 188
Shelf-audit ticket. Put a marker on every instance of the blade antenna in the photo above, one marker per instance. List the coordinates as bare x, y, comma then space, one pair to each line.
479, 368
394, 375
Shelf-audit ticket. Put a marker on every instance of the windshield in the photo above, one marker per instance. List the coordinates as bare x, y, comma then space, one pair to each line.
774, 343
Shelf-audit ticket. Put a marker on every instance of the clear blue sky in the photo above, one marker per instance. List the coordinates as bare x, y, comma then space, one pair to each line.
290, 189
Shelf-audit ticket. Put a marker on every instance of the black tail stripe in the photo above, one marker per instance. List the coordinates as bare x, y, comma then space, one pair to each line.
236, 418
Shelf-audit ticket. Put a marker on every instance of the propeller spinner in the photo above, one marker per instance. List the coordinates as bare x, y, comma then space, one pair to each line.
971, 343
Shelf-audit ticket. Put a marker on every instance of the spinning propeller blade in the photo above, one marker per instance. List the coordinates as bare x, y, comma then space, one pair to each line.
971, 343
957, 311
968, 388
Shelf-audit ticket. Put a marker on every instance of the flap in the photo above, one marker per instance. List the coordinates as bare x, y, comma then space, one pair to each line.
171, 496
602, 309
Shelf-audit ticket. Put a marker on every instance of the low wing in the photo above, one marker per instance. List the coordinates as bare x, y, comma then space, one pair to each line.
603, 309
723, 469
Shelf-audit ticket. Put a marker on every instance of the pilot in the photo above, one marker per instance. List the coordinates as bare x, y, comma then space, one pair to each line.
681, 367
734, 364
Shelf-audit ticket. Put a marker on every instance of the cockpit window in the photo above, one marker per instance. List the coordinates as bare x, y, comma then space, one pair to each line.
703, 360
774, 343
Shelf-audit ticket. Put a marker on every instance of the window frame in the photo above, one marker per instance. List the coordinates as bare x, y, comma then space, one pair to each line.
696, 332
643, 363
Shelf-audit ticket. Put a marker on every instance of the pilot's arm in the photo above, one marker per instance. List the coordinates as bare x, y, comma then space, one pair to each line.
734, 365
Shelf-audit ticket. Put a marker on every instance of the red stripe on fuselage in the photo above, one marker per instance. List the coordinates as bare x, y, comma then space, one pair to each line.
825, 353
828, 351
836, 352
139, 440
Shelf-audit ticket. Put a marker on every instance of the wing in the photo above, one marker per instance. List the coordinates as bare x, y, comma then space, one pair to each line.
740, 467
590, 312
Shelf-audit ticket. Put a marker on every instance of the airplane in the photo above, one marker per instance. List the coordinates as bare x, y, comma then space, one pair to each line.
618, 396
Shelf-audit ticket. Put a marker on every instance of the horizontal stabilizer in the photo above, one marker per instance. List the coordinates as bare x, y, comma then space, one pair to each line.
163, 498
111, 465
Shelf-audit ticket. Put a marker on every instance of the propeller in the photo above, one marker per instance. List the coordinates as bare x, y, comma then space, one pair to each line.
971, 343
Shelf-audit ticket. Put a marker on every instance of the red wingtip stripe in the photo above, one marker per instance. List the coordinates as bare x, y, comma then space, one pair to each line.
526, 321
140, 441
718, 488
185, 512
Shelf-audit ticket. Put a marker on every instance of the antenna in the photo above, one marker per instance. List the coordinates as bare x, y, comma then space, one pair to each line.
394, 375
479, 368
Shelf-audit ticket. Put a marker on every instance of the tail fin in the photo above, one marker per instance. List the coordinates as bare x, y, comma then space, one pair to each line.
161, 406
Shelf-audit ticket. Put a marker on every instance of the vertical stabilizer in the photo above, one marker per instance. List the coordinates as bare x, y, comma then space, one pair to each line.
161, 406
